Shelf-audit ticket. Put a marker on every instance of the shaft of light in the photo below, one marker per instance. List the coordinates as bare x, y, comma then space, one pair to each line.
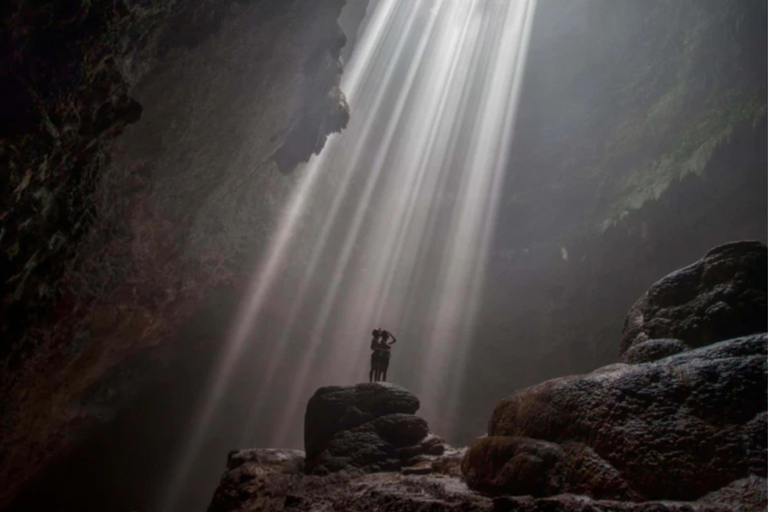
414, 184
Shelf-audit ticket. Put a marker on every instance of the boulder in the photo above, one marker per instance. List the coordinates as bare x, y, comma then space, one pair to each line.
681, 417
369, 427
530, 466
721, 296
677, 428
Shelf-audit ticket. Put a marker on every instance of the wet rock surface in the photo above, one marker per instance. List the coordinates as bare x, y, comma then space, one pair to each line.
677, 428
671, 421
721, 296
370, 426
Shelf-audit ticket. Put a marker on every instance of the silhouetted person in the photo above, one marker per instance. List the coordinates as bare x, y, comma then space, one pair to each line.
376, 347
386, 350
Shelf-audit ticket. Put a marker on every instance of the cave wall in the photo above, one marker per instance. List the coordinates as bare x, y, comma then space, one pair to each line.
640, 144
143, 141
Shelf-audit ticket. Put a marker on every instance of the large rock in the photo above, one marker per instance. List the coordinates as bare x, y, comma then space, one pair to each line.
678, 428
719, 297
370, 427
682, 417
530, 466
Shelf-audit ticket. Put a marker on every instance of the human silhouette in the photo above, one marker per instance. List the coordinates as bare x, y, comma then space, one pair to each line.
385, 351
373, 375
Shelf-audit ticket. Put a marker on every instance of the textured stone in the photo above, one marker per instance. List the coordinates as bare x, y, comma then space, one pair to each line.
271, 480
334, 409
368, 427
677, 428
719, 297
249, 477
529, 467
671, 421
668, 422
745, 495
653, 350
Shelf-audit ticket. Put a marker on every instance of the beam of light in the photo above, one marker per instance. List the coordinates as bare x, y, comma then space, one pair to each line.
357, 73
401, 207
257, 294
474, 217
267, 271
474, 57
382, 155
508, 81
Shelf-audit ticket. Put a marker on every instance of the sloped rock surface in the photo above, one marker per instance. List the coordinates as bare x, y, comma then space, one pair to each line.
719, 297
370, 426
677, 428
671, 421
653, 350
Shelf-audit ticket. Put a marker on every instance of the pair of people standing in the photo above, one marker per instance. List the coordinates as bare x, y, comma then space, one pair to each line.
381, 344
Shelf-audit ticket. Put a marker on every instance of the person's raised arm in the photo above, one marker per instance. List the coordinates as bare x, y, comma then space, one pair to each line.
394, 340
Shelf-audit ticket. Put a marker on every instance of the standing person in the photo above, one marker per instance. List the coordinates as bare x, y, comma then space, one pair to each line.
386, 350
373, 375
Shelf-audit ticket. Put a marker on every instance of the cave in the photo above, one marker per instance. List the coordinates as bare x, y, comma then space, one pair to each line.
209, 205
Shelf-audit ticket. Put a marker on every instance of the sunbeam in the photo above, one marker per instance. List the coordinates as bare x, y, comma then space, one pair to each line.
399, 212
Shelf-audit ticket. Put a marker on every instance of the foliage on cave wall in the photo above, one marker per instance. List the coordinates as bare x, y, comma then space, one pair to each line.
621, 99
717, 86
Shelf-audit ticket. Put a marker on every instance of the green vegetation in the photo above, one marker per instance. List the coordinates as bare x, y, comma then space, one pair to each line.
675, 129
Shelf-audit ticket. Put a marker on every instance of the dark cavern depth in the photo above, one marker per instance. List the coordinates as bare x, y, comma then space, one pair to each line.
383, 255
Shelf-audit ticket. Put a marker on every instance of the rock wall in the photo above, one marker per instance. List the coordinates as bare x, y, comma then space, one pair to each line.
106, 245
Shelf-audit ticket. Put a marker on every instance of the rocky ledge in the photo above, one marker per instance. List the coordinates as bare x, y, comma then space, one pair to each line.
679, 425
369, 427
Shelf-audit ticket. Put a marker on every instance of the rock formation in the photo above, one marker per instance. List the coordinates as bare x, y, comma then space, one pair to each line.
721, 296
369, 427
678, 424
268, 480
677, 428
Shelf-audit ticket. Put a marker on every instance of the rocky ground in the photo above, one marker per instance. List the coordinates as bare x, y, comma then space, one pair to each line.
672, 428
269, 480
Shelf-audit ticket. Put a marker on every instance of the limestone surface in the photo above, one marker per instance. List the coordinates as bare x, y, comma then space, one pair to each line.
682, 417
370, 426
719, 297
